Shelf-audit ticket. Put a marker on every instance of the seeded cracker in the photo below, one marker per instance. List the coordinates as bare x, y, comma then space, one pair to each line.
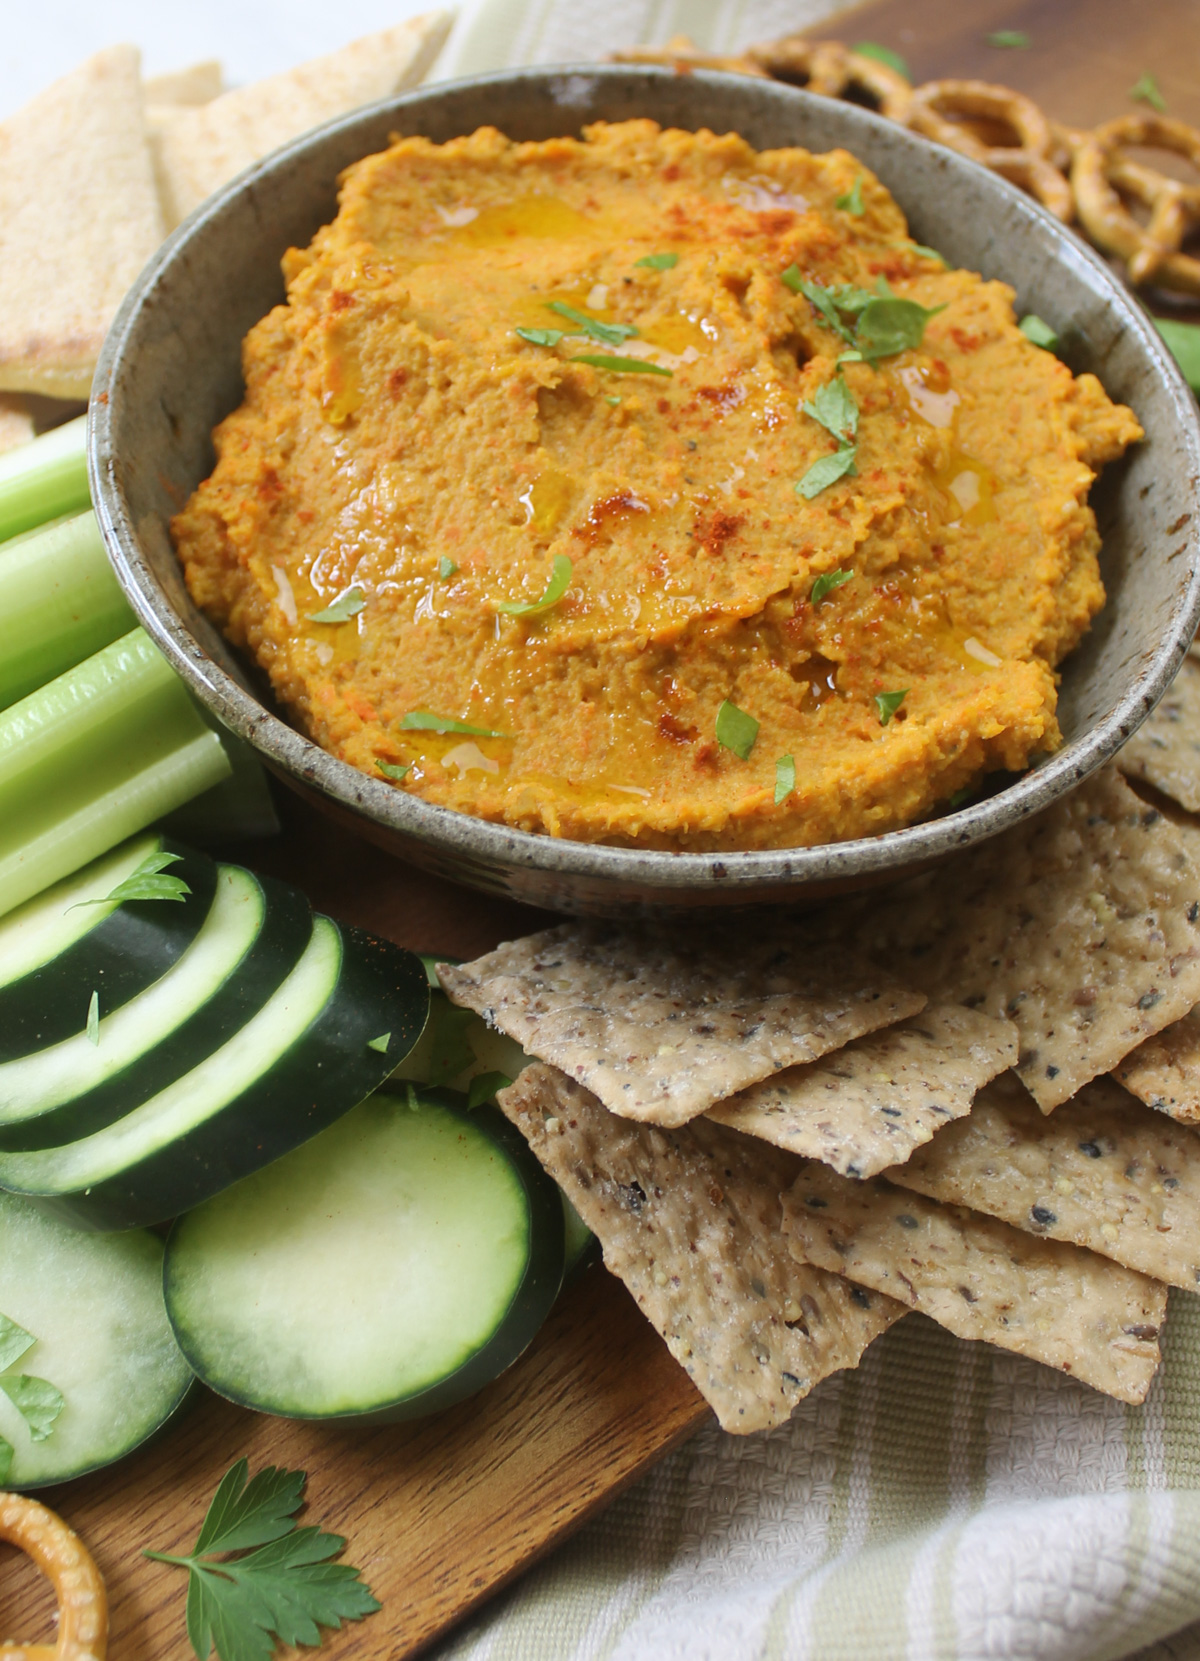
1101, 1171
980, 1278
690, 1220
659, 1026
1164, 1072
79, 217
1165, 750
198, 150
1082, 925
867, 1106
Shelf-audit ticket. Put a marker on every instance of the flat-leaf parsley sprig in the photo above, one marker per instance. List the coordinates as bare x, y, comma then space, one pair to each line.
283, 1586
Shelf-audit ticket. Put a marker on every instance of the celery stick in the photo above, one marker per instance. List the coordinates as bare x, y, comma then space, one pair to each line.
92, 757
59, 603
41, 480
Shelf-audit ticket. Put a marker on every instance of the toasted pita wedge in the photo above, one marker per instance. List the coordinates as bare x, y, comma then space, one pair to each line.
79, 217
690, 1221
661, 1024
981, 1278
198, 150
16, 423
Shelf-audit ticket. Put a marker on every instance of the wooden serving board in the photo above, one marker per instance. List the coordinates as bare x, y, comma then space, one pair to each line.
442, 1513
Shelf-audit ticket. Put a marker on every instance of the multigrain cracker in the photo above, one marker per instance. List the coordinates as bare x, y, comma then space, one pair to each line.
1101, 1171
79, 217
198, 150
1165, 750
690, 1221
868, 1105
981, 1278
1164, 1072
1082, 925
662, 1025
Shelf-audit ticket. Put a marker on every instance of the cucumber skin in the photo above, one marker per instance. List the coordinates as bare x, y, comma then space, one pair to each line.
523, 1319
184, 1403
287, 924
381, 988
126, 952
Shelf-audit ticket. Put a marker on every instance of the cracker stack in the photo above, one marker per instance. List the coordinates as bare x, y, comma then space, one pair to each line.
786, 1135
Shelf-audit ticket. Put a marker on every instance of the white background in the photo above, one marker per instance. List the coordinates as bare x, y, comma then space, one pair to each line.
42, 39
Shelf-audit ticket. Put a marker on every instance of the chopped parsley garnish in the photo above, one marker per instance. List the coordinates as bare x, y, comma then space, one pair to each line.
736, 730
833, 406
424, 720
37, 1400
785, 778
883, 54
347, 605
541, 337
1009, 37
828, 471
1146, 90
286, 1590
885, 324
609, 399
93, 1019
1183, 341
622, 366
826, 583
483, 1087
446, 569
608, 334
392, 769
961, 796
560, 581
852, 201
659, 262
887, 703
928, 253
1041, 334
147, 882
821, 298
381, 1043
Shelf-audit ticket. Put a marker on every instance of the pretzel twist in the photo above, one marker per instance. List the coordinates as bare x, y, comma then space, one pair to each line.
831, 69
1101, 174
1028, 162
680, 53
64, 1560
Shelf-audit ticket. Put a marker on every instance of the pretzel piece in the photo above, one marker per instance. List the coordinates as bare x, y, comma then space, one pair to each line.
64, 1560
1028, 161
682, 54
1101, 174
831, 69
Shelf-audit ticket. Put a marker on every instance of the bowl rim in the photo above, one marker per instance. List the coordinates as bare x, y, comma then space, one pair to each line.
489, 843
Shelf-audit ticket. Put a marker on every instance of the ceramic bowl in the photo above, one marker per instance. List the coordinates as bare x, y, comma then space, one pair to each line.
171, 369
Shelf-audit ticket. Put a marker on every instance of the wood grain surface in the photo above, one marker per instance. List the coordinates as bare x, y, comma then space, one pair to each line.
442, 1513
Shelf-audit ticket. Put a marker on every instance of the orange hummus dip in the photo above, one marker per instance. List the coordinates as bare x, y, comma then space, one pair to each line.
719, 648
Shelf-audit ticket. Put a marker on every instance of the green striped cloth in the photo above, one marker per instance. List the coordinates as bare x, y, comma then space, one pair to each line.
946, 1500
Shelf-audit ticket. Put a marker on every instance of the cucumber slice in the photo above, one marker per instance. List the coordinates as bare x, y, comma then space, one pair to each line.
251, 939
298, 1064
390, 1267
58, 946
94, 1305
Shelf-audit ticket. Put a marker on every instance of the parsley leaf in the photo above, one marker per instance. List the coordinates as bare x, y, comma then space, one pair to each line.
960, 797
392, 769
14, 1341
36, 1400
146, 883
834, 407
424, 720
446, 569
820, 298
828, 471
622, 366
887, 703
785, 778
889, 326
541, 337
826, 583
608, 334
659, 262
347, 605
93, 1019
483, 1087
883, 54
1041, 334
1146, 90
928, 253
560, 581
736, 730
285, 1590
852, 201
1009, 37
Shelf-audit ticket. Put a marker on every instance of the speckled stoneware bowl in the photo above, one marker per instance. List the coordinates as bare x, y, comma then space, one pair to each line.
171, 369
